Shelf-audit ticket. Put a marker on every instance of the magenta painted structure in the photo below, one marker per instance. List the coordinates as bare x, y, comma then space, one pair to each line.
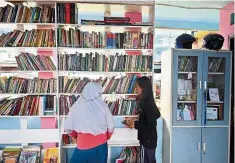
225, 28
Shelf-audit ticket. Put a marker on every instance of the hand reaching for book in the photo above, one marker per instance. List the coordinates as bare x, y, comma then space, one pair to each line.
130, 122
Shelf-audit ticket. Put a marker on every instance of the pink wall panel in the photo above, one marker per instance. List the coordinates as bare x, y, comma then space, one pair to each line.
225, 28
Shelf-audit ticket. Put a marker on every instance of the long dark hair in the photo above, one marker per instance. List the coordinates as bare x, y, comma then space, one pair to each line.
146, 96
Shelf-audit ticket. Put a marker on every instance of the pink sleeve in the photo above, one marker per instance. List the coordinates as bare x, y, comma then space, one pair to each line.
73, 134
109, 134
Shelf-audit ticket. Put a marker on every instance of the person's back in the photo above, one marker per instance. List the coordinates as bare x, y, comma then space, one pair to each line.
91, 123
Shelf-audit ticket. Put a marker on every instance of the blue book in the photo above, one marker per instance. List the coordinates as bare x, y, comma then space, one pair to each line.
134, 77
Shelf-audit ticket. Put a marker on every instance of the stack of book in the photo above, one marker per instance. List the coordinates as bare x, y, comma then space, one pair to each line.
187, 64
28, 106
27, 61
28, 38
67, 13
129, 154
123, 107
26, 154
24, 85
25, 14
66, 102
99, 62
81, 39
117, 20
122, 85
67, 139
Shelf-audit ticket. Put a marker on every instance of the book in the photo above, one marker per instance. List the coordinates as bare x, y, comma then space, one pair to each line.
123, 107
214, 94
30, 154
99, 62
51, 155
66, 102
28, 38
24, 14
28, 61
212, 112
67, 139
11, 154
129, 154
27, 85
67, 13
74, 37
28, 106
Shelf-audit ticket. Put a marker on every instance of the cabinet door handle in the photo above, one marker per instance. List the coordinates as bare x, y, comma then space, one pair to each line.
198, 146
200, 84
204, 148
205, 85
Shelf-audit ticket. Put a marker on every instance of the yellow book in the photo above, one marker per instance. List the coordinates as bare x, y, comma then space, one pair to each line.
51, 155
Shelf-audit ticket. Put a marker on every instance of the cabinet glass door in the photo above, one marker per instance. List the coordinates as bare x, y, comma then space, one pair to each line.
187, 74
216, 77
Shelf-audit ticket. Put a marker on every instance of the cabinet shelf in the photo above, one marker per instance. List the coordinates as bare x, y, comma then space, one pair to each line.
215, 102
186, 101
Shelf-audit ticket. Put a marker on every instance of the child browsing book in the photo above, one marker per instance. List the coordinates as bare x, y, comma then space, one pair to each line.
146, 125
91, 122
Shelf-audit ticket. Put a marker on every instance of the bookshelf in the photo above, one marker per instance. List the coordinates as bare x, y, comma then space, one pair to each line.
54, 49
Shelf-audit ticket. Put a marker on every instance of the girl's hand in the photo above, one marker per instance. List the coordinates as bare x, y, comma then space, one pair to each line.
130, 122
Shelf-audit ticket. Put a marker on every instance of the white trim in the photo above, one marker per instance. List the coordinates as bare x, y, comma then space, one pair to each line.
29, 136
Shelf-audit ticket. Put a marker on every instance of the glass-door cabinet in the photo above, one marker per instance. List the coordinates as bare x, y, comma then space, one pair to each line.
201, 84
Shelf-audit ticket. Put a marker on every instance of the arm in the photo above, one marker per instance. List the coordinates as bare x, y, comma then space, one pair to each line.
151, 114
110, 122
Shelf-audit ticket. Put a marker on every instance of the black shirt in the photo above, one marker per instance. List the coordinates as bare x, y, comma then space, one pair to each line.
147, 125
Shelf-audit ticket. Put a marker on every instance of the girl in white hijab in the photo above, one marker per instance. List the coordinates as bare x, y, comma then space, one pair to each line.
91, 123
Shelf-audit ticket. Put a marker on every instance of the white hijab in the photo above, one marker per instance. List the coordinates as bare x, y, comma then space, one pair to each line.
90, 114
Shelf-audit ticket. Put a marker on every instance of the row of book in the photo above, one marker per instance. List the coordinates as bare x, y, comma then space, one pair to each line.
26, 85
187, 64
118, 107
26, 154
118, 85
216, 64
29, 154
28, 38
67, 13
100, 62
67, 139
123, 107
24, 14
28, 61
28, 105
82, 39
66, 102
129, 155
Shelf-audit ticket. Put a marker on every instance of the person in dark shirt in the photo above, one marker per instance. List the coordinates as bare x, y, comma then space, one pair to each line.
146, 124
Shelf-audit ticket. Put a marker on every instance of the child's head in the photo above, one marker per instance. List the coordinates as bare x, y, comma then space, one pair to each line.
144, 86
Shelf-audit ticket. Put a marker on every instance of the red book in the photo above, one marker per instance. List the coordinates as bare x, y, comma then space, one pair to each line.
67, 13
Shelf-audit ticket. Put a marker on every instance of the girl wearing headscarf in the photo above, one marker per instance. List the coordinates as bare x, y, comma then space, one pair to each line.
91, 123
